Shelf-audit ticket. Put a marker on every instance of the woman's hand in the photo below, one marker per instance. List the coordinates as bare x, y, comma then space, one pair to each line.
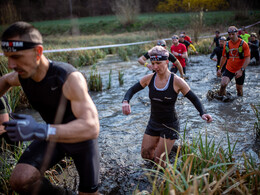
207, 118
126, 108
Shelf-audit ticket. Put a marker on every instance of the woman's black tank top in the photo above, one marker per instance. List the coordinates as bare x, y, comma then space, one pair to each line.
163, 101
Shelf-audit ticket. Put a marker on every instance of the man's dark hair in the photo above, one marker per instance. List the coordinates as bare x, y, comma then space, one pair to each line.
24, 30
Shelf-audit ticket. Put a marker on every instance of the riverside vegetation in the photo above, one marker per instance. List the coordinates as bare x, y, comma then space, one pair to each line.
201, 166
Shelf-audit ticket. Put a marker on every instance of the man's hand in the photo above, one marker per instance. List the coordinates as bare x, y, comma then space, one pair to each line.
214, 59
25, 128
238, 73
126, 108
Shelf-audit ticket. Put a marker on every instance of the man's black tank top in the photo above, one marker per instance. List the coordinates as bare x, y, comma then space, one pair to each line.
163, 101
44, 96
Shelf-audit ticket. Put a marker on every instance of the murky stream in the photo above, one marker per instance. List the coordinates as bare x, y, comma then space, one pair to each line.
121, 136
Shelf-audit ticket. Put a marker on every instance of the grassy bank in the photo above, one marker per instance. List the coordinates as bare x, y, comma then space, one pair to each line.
145, 22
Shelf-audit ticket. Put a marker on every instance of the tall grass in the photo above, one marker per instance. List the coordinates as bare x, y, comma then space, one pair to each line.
256, 109
120, 77
94, 80
109, 80
205, 167
15, 95
8, 158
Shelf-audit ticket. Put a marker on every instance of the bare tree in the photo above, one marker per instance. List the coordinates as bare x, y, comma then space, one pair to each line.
126, 10
8, 13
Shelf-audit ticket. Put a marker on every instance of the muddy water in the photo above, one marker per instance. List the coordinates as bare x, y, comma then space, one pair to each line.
121, 136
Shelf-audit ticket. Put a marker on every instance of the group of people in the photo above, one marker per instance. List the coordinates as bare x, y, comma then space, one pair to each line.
233, 56
178, 55
59, 93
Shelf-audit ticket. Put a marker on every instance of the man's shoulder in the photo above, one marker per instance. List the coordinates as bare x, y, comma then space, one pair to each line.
62, 66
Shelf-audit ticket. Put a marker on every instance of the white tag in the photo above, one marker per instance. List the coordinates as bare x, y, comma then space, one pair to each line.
51, 131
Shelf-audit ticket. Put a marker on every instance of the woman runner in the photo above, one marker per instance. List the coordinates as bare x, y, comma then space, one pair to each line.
164, 86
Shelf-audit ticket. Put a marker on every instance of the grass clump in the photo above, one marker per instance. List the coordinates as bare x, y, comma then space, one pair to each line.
256, 109
109, 80
94, 81
9, 156
120, 77
204, 167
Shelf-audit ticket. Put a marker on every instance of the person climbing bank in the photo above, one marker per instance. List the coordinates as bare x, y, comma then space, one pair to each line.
60, 94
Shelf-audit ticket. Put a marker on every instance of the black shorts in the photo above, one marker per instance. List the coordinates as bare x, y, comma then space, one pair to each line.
230, 75
164, 130
85, 155
254, 54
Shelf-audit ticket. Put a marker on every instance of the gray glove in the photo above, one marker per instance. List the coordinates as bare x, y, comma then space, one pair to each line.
25, 128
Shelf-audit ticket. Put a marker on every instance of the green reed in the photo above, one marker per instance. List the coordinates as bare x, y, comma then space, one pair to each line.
109, 80
94, 81
256, 109
120, 77
204, 167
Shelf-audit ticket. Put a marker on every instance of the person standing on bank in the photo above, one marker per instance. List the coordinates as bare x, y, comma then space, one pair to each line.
45, 82
172, 58
164, 86
237, 55
180, 52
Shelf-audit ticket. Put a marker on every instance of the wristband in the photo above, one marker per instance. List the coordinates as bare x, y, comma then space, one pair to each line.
179, 54
51, 131
146, 63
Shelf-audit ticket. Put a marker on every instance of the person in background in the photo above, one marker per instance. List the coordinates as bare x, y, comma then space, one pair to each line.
240, 31
215, 40
254, 47
218, 52
237, 55
186, 37
244, 35
180, 52
186, 43
142, 60
51, 87
163, 126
